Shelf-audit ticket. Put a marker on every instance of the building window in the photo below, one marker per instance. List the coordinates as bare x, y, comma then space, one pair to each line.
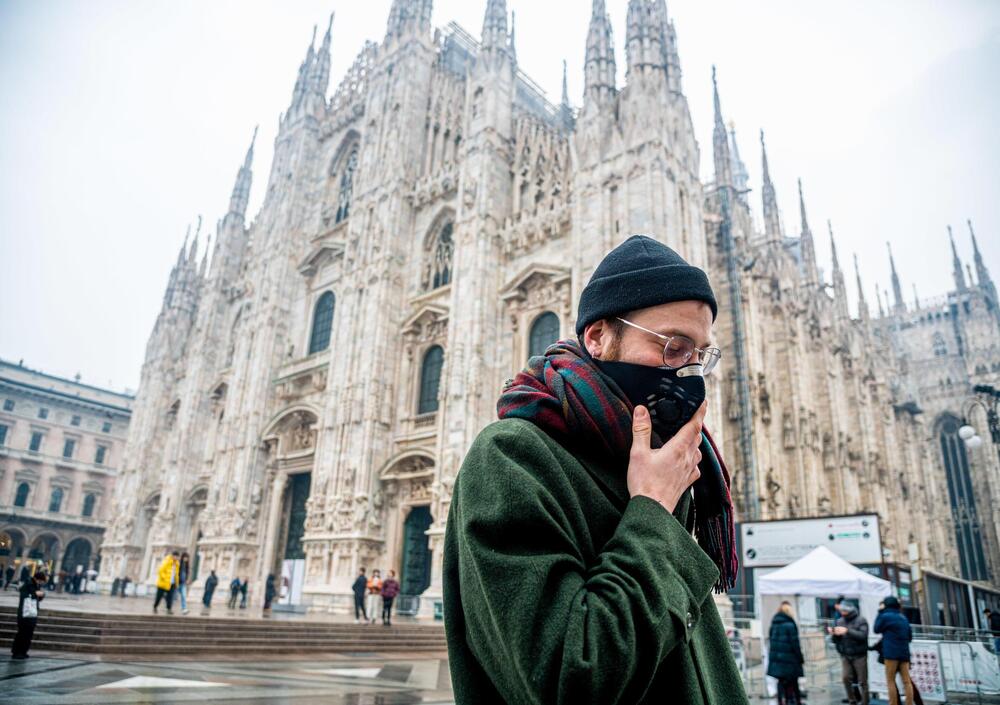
99, 455
8, 404
3, 435
106, 427
968, 535
940, 348
75, 421
438, 257
322, 323
68, 447
36, 441
88, 505
55, 500
43, 413
430, 380
544, 332
346, 190
21, 498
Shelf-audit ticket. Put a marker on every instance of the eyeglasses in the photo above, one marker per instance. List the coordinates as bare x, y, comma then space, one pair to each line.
679, 349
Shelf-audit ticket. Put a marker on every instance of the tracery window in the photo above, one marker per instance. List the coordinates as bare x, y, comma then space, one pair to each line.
346, 189
439, 253
322, 323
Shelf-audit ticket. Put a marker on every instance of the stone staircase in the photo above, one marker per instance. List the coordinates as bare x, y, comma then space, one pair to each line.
156, 635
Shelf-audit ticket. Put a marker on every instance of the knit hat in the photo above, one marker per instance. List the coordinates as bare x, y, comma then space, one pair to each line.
639, 273
891, 603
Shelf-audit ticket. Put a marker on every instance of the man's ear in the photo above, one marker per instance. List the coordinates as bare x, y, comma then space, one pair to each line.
595, 338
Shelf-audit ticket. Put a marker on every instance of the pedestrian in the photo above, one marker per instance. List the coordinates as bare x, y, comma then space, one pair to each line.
360, 587
850, 636
166, 582
269, 591
784, 655
234, 593
579, 565
244, 586
993, 624
390, 588
183, 576
8, 575
25, 575
125, 581
896, 637
210, 584
27, 614
374, 595
77, 579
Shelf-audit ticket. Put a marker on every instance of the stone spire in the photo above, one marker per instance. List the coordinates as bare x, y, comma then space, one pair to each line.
807, 244
495, 37
741, 177
878, 298
982, 273
839, 287
305, 71
241, 190
772, 224
599, 63
720, 142
863, 313
512, 44
956, 264
644, 50
916, 298
565, 110
408, 17
897, 290
321, 66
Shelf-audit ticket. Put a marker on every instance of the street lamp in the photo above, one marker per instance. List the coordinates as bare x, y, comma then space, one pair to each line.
988, 398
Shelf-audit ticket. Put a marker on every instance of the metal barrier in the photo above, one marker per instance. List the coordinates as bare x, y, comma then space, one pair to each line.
407, 605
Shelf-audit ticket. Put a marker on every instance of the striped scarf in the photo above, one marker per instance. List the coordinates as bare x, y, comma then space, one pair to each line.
567, 396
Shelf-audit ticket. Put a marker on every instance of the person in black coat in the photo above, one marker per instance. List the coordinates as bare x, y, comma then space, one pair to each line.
360, 587
784, 655
244, 586
993, 624
210, 584
850, 636
269, 591
27, 614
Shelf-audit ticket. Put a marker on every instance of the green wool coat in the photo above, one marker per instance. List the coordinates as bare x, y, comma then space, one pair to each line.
560, 589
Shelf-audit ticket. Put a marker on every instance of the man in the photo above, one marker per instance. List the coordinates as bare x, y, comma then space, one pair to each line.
850, 636
244, 586
210, 584
571, 574
993, 624
234, 592
390, 588
896, 637
166, 581
27, 614
8, 575
359, 588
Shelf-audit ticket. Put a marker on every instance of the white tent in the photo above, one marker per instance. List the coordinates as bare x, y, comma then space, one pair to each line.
822, 573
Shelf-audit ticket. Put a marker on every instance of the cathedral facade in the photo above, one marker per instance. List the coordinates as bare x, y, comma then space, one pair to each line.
312, 382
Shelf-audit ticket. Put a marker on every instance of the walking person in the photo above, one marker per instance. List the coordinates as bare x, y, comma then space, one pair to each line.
234, 593
993, 624
8, 575
850, 636
784, 655
360, 587
183, 577
166, 582
210, 584
269, 591
390, 588
896, 637
374, 595
125, 581
579, 565
244, 586
27, 614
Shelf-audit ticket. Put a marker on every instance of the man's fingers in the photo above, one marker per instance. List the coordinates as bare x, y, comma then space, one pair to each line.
691, 431
641, 428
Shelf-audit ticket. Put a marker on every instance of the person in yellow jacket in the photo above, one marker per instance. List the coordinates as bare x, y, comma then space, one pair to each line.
166, 581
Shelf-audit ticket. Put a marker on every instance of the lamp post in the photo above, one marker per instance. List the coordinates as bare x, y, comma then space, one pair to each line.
988, 398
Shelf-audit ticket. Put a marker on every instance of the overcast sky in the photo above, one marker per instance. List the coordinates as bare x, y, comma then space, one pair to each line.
122, 120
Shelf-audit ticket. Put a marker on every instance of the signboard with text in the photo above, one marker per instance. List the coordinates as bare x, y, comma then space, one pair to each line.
855, 538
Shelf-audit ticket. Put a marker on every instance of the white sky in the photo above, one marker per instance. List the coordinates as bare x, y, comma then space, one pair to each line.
122, 120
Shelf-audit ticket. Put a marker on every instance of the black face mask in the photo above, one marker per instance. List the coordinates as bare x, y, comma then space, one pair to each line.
671, 395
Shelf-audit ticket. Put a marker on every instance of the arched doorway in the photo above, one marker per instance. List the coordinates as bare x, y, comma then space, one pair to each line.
44, 549
77, 553
293, 555
415, 576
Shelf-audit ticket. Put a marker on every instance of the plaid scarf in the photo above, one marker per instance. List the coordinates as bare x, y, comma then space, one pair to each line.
567, 396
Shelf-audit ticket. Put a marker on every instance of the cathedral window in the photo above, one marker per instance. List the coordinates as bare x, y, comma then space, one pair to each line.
430, 380
438, 256
88, 505
55, 500
21, 498
322, 323
346, 187
940, 348
544, 332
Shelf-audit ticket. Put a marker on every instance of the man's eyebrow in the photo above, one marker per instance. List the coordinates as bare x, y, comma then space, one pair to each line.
674, 331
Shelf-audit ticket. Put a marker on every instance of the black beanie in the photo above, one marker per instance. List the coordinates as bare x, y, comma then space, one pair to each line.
891, 603
639, 273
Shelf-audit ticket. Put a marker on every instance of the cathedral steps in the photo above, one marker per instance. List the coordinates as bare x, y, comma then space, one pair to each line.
163, 634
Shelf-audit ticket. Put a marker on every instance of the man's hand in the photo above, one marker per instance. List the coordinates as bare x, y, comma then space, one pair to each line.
664, 474
839, 631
